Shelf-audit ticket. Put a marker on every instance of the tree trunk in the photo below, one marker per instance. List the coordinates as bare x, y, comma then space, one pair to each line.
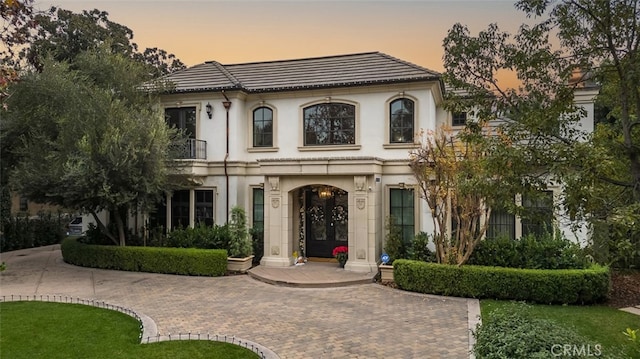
102, 227
120, 226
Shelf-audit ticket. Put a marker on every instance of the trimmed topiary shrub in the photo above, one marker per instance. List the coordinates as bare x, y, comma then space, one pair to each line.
544, 252
562, 286
240, 244
184, 261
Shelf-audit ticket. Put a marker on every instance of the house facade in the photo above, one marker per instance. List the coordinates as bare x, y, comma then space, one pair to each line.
316, 150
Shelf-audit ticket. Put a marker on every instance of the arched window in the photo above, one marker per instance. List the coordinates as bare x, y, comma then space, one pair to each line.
401, 119
330, 124
263, 127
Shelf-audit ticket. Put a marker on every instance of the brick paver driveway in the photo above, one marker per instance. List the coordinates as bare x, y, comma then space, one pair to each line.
362, 321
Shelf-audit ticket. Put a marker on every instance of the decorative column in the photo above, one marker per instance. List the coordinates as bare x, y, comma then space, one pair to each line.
360, 259
275, 240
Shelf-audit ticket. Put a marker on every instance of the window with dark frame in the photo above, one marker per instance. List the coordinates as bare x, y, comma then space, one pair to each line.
401, 120
258, 209
180, 209
538, 217
459, 119
158, 216
402, 209
24, 204
329, 124
204, 207
502, 224
263, 127
183, 118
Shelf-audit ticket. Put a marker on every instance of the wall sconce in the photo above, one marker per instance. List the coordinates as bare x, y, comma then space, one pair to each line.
325, 193
209, 110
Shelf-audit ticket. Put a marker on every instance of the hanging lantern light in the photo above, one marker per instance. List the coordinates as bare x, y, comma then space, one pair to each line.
325, 193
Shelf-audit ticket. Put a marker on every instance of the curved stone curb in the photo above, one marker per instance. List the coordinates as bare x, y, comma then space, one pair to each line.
148, 328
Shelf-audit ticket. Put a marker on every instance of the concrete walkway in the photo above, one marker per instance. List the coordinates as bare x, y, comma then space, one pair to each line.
357, 321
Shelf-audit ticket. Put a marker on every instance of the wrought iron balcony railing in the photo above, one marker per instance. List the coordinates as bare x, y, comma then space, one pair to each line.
192, 149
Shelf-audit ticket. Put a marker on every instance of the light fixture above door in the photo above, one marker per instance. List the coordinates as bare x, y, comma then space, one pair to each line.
325, 192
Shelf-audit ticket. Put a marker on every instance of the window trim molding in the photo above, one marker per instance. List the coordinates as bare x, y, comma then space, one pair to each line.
274, 135
333, 147
387, 144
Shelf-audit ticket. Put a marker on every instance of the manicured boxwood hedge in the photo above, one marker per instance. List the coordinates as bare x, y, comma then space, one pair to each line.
185, 261
561, 286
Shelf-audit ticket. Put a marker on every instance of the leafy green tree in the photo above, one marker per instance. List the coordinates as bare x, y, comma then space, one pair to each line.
64, 35
87, 137
574, 44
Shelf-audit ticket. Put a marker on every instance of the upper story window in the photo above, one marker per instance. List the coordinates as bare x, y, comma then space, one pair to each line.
459, 119
329, 124
263, 127
183, 118
401, 120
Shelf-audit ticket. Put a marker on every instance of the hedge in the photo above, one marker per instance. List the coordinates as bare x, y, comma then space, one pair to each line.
185, 261
547, 286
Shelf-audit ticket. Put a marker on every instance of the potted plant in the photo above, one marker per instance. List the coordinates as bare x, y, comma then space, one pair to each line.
240, 246
394, 248
341, 253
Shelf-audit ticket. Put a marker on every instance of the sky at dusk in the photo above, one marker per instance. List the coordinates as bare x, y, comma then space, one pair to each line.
248, 31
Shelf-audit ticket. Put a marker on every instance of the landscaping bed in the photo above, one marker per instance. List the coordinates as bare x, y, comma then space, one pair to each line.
625, 288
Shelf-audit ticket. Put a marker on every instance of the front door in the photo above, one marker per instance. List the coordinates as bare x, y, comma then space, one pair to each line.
326, 222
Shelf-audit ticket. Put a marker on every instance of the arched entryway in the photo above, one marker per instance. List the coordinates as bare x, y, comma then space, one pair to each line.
326, 219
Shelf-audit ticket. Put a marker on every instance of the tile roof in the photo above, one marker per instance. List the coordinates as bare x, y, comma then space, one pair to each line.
320, 72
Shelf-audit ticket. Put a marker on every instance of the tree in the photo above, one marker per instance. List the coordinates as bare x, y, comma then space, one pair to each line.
64, 35
89, 137
17, 22
460, 186
575, 43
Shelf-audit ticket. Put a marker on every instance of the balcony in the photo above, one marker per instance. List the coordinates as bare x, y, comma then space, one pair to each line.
192, 149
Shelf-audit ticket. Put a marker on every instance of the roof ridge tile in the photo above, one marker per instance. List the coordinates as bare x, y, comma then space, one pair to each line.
227, 73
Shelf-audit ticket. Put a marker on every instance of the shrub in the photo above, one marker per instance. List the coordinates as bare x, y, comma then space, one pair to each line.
240, 244
515, 334
394, 245
185, 261
21, 232
257, 238
419, 249
563, 286
544, 252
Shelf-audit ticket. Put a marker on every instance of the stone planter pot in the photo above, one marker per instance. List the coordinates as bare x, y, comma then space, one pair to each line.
241, 265
386, 272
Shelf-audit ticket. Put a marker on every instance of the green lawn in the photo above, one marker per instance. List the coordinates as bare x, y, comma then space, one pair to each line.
600, 324
58, 330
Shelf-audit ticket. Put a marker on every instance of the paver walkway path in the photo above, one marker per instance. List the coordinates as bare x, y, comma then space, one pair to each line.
360, 321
